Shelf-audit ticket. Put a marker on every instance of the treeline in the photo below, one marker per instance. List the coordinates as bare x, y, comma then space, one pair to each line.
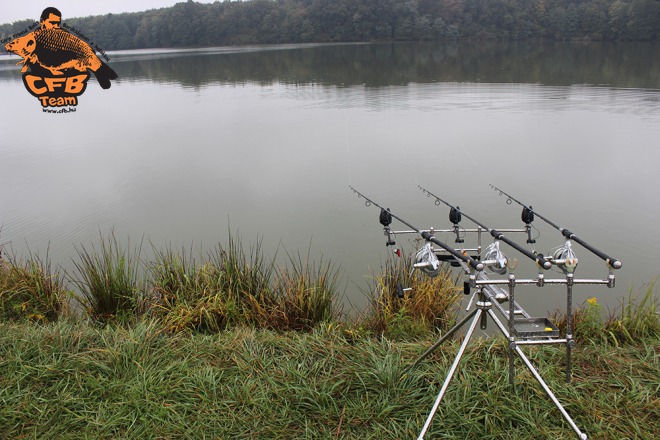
298, 21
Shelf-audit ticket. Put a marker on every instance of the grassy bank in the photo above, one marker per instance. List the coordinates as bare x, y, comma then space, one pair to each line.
232, 285
232, 345
64, 380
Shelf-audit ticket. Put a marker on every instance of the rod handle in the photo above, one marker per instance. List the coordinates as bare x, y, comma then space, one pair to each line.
426, 235
538, 258
612, 262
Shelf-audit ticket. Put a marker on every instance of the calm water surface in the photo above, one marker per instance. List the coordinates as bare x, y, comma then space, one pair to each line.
264, 141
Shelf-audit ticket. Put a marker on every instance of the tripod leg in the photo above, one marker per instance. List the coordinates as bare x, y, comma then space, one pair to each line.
540, 380
434, 347
452, 370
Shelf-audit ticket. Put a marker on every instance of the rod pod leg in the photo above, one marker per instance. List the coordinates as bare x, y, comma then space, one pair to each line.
569, 325
477, 313
550, 394
435, 346
540, 380
511, 322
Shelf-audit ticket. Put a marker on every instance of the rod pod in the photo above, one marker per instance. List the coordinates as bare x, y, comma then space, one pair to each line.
613, 263
426, 235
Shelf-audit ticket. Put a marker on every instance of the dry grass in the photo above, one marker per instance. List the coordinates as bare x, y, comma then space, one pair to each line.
30, 290
234, 287
429, 305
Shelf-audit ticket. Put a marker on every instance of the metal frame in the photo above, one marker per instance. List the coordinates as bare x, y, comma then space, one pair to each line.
490, 295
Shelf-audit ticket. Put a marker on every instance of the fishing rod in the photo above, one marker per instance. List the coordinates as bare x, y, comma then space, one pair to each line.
385, 219
455, 217
528, 216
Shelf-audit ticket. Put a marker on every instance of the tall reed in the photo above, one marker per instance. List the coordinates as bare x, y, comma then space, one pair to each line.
108, 280
189, 297
304, 294
586, 321
639, 318
245, 274
636, 318
233, 286
222, 291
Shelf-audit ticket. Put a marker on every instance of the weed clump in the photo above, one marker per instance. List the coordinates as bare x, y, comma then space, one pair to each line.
639, 318
427, 304
636, 319
237, 286
108, 281
30, 290
233, 287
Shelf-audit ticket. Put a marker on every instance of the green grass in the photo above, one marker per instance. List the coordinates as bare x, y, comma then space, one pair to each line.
637, 319
69, 380
205, 348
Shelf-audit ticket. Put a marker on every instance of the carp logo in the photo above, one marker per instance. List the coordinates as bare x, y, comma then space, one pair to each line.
56, 63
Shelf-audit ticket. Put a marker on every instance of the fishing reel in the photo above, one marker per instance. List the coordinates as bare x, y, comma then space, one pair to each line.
494, 259
565, 258
427, 261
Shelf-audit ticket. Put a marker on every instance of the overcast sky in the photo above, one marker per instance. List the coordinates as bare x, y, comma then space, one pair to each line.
14, 10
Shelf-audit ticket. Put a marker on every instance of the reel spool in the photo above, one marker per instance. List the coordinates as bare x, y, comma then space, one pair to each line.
565, 258
426, 261
496, 260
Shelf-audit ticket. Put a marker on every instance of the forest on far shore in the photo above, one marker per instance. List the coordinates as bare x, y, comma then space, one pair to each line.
190, 24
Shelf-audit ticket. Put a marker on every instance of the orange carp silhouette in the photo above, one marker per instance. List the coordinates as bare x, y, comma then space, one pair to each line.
56, 63
56, 50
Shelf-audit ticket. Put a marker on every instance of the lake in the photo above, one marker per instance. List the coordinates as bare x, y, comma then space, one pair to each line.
263, 142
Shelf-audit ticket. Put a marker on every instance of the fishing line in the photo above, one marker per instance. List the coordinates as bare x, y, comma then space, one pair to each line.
348, 156
474, 162
461, 144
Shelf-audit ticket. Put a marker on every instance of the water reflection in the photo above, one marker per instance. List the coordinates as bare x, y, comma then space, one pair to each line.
377, 65
187, 145
629, 65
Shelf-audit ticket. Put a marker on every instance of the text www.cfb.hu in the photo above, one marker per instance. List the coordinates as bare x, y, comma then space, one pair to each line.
62, 110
